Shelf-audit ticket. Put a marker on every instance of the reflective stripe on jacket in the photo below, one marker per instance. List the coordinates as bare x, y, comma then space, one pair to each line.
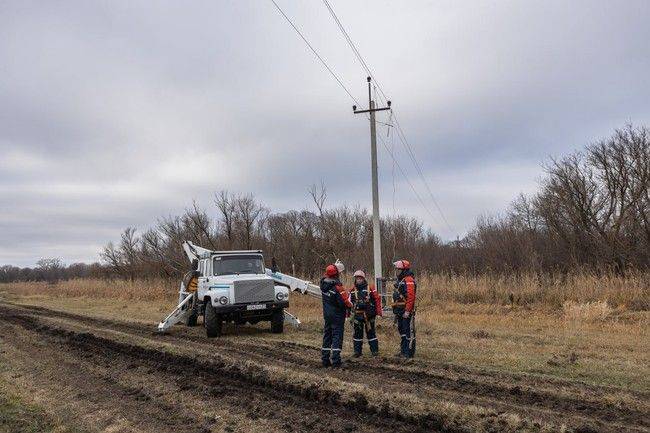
404, 294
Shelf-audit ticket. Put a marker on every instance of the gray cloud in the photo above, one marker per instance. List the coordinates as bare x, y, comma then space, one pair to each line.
113, 114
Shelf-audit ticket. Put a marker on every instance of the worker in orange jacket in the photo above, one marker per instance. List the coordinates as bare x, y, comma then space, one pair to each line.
336, 307
367, 306
404, 307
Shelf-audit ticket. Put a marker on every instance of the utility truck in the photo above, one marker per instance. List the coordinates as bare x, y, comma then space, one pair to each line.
235, 286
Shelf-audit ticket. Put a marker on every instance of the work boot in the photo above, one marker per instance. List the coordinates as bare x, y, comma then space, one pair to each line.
357, 355
375, 353
341, 365
326, 364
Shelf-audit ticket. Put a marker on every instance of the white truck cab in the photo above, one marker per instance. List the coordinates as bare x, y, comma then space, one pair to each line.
235, 279
233, 287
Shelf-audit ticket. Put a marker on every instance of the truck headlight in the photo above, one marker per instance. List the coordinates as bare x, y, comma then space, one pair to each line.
223, 300
280, 296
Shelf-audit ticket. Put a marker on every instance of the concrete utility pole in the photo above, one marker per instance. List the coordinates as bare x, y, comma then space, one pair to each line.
376, 235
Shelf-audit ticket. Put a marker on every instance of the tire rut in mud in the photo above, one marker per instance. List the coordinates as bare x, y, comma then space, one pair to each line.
254, 391
579, 410
576, 410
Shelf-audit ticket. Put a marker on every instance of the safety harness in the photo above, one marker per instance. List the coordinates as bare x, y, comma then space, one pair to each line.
362, 311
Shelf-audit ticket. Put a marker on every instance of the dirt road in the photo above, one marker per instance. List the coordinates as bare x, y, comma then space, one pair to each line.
105, 375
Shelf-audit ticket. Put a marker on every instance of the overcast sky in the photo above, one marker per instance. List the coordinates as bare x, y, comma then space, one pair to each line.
114, 113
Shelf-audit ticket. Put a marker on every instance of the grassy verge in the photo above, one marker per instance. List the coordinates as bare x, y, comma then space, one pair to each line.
16, 416
20, 412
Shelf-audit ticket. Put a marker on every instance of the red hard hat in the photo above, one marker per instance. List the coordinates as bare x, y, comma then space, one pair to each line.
331, 271
402, 264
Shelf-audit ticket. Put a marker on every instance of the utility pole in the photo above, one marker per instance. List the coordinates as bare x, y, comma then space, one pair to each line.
376, 235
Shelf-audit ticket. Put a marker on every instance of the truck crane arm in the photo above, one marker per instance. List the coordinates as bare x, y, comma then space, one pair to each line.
295, 284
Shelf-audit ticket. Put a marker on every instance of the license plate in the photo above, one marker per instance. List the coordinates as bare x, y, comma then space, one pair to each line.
256, 307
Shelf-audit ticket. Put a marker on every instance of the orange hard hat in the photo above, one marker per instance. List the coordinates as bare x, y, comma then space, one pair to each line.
331, 271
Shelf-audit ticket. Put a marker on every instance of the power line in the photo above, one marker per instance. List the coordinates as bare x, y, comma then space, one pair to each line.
338, 80
419, 169
401, 170
315, 52
401, 135
353, 46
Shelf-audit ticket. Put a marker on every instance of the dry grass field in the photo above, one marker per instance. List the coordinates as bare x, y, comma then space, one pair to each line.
521, 354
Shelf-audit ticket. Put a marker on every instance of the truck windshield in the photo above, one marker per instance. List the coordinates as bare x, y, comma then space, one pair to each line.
235, 265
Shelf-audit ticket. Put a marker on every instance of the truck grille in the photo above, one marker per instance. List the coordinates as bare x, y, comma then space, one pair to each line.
254, 291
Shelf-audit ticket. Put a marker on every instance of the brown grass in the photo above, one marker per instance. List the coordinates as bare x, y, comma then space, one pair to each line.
631, 293
139, 290
596, 311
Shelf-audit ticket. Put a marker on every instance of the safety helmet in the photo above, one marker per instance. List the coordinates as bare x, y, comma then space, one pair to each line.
331, 271
402, 264
360, 273
339, 265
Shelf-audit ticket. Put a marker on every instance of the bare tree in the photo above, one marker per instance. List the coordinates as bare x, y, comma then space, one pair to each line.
51, 269
226, 203
198, 222
318, 195
251, 216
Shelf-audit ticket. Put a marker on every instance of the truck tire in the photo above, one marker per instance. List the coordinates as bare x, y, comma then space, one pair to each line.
277, 321
213, 320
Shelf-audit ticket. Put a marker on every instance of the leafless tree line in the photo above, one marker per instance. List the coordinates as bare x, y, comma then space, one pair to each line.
51, 270
300, 242
591, 213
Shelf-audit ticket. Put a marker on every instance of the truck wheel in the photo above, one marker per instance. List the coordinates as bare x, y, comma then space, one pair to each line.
277, 321
213, 320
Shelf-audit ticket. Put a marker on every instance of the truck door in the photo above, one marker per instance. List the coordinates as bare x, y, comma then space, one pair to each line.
204, 277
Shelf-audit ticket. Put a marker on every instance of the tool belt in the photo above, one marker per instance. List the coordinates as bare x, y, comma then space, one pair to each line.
398, 304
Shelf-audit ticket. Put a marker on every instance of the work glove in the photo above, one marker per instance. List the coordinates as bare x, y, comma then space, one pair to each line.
406, 314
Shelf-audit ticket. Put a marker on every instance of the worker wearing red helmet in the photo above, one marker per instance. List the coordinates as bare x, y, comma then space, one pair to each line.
336, 304
367, 306
404, 307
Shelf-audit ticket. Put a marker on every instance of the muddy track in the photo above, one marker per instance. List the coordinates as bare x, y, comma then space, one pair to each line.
465, 389
552, 402
247, 389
